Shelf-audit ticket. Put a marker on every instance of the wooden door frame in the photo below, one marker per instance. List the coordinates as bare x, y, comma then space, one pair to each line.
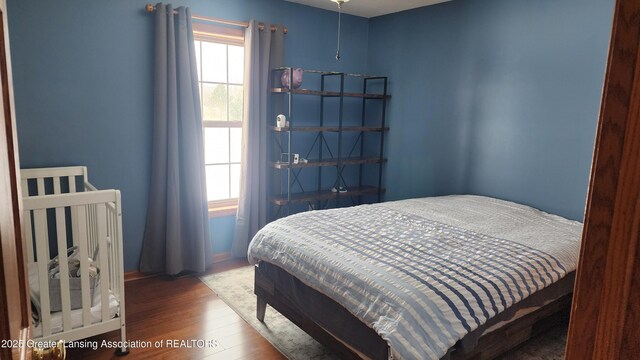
14, 297
606, 304
12, 142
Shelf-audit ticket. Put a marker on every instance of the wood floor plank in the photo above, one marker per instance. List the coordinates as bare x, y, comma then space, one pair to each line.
164, 308
242, 352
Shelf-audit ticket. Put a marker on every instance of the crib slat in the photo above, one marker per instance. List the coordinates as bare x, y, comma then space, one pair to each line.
42, 241
113, 254
111, 244
80, 231
94, 229
72, 189
90, 228
27, 234
103, 255
56, 185
40, 182
64, 268
72, 184
113, 257
87, 216
24, 185
74, 226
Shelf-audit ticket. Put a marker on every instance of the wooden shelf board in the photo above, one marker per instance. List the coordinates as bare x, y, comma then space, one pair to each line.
325, 195
329, 128
330, 162
285, 68
327, 93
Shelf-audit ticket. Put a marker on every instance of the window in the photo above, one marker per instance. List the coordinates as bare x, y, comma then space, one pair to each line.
220, 61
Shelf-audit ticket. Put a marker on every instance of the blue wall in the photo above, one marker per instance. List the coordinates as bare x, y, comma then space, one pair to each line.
83, 85
494, 97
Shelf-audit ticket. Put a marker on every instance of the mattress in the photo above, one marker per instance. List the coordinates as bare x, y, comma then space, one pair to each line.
57, 325
423, 273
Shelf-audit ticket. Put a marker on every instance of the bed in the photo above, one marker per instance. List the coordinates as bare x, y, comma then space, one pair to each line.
73, 237
433, 278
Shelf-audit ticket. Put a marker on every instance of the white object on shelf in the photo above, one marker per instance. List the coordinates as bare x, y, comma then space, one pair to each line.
281, 121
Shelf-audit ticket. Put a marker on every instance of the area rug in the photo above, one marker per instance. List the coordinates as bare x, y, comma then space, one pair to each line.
235, 288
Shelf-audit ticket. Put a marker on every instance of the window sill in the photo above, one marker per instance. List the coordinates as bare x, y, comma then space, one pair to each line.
221, 209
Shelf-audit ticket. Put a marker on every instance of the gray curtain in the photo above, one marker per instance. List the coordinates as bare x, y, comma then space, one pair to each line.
264, 50
176, 236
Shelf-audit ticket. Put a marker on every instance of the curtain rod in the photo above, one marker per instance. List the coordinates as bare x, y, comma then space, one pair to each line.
152, 8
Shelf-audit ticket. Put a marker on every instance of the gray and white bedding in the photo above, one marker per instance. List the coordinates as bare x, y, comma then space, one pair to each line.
423, 272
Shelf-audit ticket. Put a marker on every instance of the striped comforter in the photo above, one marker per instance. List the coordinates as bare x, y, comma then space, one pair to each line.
423, 272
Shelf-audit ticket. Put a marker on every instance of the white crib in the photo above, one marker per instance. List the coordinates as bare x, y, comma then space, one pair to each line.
57, 216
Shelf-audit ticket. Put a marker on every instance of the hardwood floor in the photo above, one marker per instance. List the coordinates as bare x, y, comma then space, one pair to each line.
164, 308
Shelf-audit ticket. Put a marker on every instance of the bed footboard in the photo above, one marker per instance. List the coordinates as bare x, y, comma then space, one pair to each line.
333, 326
320, 317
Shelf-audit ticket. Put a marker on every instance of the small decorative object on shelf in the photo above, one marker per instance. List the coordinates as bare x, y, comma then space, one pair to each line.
281, 121
297, 78
339, 124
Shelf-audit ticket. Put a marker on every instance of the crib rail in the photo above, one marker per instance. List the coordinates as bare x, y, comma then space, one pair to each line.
47, 181
57, 175
95, 219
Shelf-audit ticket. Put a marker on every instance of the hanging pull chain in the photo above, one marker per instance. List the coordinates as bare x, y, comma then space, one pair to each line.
339, 21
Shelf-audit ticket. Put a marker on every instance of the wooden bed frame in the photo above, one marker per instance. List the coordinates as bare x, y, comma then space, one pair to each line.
345, 335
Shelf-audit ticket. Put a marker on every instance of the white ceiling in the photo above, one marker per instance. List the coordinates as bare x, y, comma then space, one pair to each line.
369, 8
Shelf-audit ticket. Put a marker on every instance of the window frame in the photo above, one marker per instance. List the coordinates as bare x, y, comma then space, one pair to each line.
227, 36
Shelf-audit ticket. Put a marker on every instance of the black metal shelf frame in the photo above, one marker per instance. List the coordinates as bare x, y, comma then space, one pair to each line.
295, 191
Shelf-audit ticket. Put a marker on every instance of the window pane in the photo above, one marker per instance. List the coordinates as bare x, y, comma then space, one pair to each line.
214, 102
236, 145
235, 102
216, 145
197, 46
236, 64
221, 75
235, 181
217, 182
214, 62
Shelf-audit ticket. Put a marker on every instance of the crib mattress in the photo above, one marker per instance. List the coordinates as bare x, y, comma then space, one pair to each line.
57, 325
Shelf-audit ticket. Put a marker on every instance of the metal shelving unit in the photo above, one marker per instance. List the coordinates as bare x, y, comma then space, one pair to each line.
287, 188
